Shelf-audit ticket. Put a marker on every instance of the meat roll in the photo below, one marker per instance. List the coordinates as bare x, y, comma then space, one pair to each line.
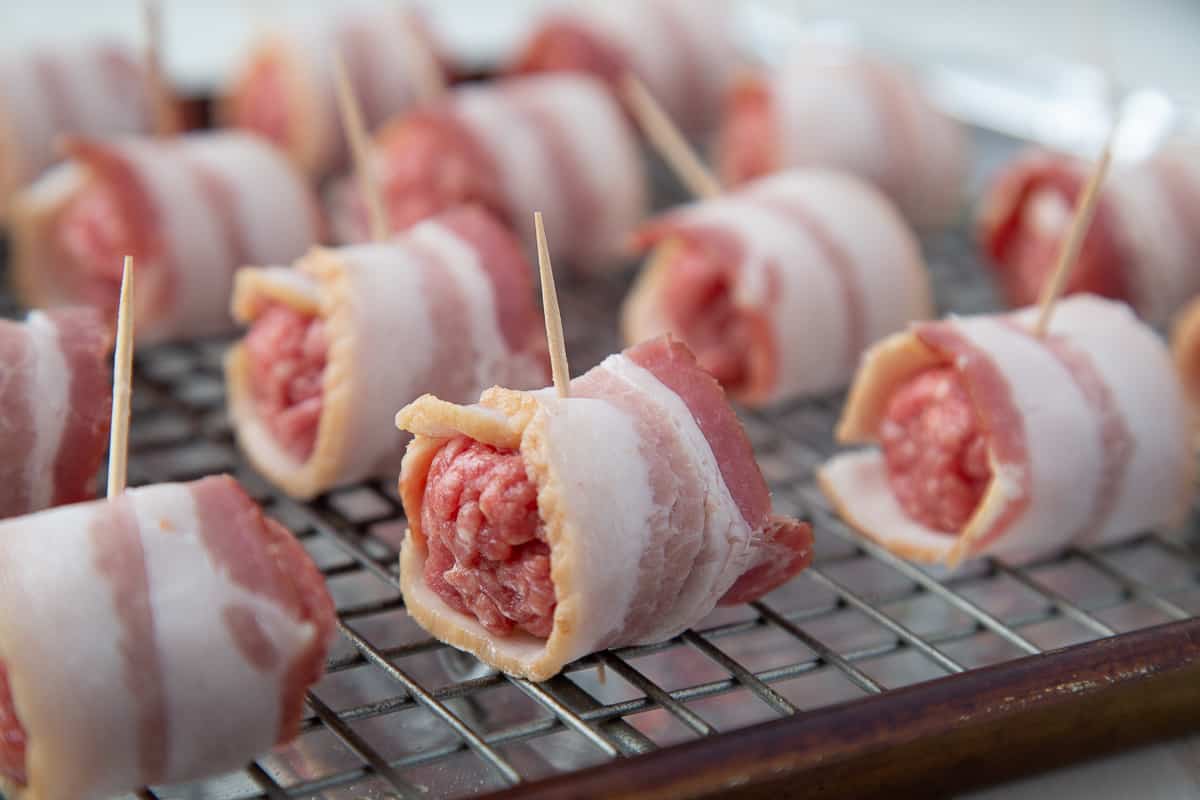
191, 210
684, 56
341, 340
55, 405
1143, 244
780, 286
197, 622
992, 441
837, 107
554, 142
285, 89
542, 529
96, 88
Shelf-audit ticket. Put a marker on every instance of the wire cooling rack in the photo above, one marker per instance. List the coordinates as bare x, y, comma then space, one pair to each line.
863, 675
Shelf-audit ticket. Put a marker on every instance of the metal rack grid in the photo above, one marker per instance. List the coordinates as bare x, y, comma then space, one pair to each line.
401, 715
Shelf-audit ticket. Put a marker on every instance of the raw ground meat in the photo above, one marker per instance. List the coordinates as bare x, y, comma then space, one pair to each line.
260, 105
699, 295
1025, 247
566, 46
95, 237
488, 555
747, 144
935, 450
12, 734
287, 352
430, 163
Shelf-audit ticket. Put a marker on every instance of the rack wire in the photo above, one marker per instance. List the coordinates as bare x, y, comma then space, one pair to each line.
401, 715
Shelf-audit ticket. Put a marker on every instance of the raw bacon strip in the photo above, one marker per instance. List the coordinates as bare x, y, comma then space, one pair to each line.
556, 143
543, 529
94, 89
835, 107
347, 335
205, 624
686, 58
55, 404
1085, 435
285, 88
1142, 246
780, 286
191, 210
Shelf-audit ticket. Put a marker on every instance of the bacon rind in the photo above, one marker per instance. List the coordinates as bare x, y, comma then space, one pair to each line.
1052, 477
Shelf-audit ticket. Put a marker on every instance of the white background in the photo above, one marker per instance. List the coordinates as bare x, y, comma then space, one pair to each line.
1147, 43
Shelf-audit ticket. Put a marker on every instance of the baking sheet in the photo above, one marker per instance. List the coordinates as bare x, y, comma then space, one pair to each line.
855, 625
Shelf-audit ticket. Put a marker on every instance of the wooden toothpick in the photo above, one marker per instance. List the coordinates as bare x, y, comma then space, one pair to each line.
356, 132
668, 140
118, 437
429, 80
554, 332
156, 83
1085, 210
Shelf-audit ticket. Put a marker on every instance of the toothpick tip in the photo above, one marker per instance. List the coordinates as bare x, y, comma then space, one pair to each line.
559, 368
1081, 221
118, 442
161, 102
667, 139
360, 148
